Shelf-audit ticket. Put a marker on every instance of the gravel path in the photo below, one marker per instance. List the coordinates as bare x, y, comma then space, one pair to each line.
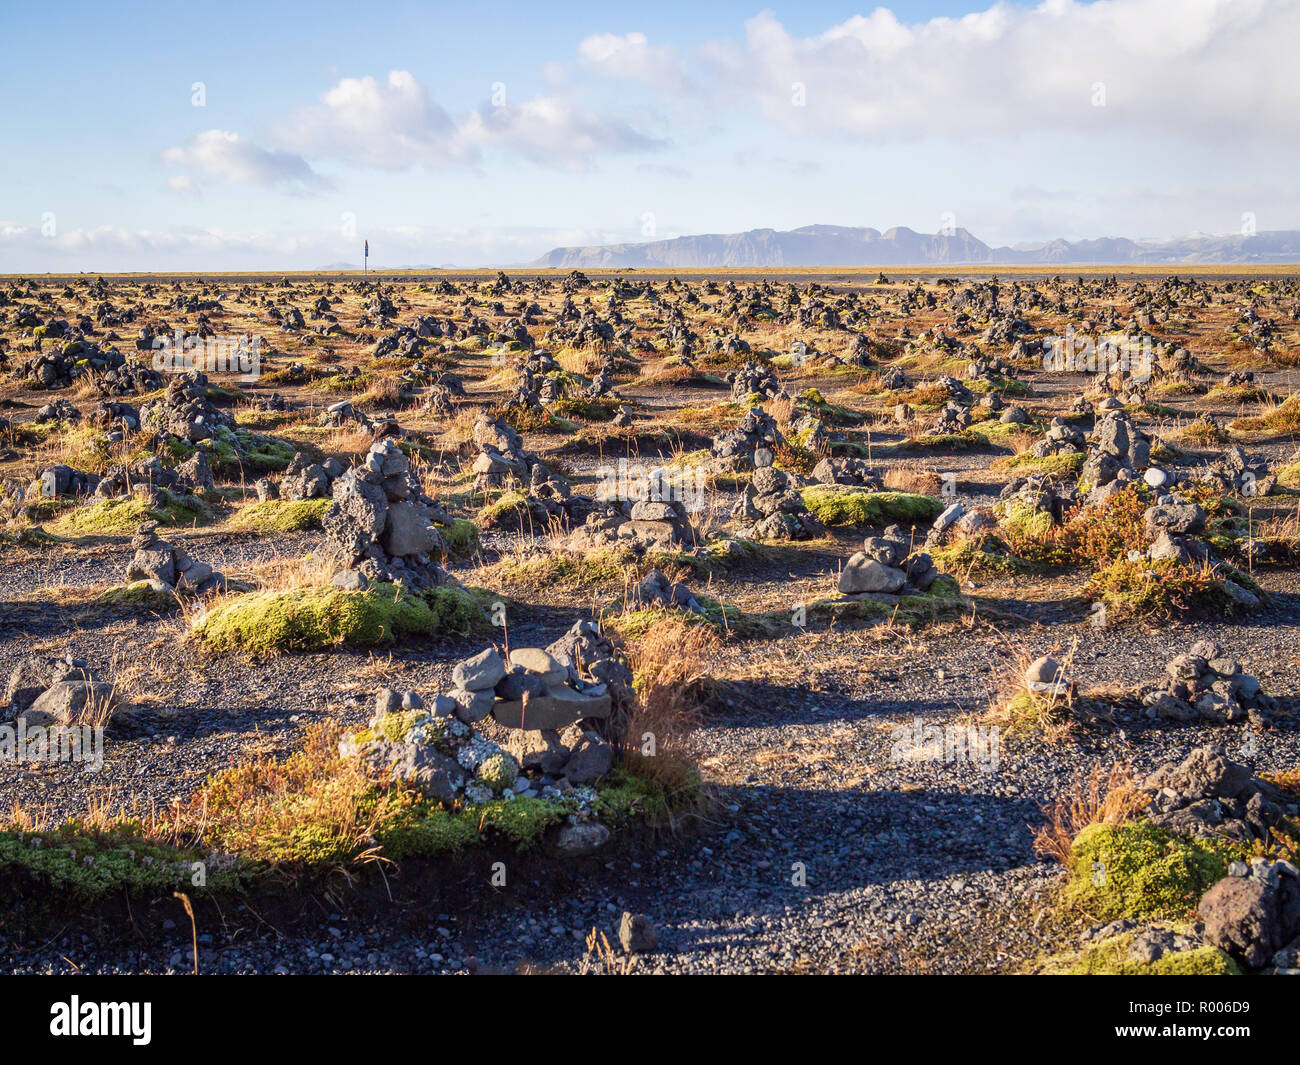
906, 866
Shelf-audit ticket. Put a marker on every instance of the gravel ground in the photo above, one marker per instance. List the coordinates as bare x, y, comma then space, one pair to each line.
907, 866
821, 852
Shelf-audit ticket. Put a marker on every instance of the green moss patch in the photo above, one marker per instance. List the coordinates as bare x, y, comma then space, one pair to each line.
1023, 520
631, 624
121, 517
562, 570
840, 506
1110, 957
1139, 871
81, 865
1007, 386
139, 594
1060, 465
461, 537
966, 440
510, 510
984, 557
942, 600
279, 516
317, 619
586, 408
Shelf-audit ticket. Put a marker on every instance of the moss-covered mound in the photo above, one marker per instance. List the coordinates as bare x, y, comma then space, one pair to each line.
1027, 462
987, 556
279, 516
259, 453
1110, 957
631, 624
426, 829
239, 451
317, 619
121, 517
1136, 870
461, 537
513, 510
80, 864
836, 505
966, 440
942, 599
1022, 519
275, 826
1289, 475
150, 594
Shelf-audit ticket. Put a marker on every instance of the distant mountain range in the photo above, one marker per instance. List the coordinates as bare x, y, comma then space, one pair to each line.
900, 246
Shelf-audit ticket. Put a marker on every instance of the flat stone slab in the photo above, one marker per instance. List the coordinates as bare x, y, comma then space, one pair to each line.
555, 710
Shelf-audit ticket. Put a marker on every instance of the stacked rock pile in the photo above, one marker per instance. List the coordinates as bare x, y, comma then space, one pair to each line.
754, 379
778, 506
382, 526
851, 471
748, 445
553, 711
885, 566
166, 566
184, 410
657, 590
1207, 685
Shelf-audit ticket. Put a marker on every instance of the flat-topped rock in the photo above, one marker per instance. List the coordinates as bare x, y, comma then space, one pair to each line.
553, 711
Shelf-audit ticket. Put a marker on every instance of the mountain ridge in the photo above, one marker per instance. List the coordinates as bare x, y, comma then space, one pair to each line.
829, 245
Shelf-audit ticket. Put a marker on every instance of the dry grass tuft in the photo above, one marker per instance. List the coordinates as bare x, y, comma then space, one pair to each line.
1097, 797
670, 663
922, 482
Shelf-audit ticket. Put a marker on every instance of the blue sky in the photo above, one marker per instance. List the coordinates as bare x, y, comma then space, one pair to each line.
481, 134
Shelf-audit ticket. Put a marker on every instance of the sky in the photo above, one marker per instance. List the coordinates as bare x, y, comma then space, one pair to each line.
164, 136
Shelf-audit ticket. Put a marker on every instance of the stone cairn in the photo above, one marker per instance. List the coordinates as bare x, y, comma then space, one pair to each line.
558, 708
851, 471
184, 411
1207, 685
147, 477
54, 691
1118, 453
754, 379
748, 445
301, 479
167, 567
655, 589
382, 526
885, 566
772, 499
1254, 912
1171, 526
1236, 472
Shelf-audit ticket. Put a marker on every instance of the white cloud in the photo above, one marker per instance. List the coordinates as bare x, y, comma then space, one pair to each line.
229, 158
396, 125
23, 249
391, 125
631, 56
553, 132
1193, 67
181, 185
